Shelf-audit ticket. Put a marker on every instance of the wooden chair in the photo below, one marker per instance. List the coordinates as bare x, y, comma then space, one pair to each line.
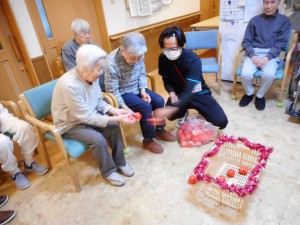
207, 40
35, 104
282, 71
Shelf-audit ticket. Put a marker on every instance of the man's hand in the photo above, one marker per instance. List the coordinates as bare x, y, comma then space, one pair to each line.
162, 113
259, 62
264, 61
256, 60
173, 98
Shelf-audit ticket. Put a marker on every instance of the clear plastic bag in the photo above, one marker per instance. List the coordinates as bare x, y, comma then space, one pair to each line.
196, 132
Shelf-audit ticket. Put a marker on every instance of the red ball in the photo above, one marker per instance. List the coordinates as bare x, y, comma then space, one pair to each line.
243, 170
137, 115
192, 179
221, 178
230, 173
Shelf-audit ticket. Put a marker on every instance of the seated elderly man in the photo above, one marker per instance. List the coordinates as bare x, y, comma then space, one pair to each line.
81, 30
23, 134
265, 37
80, 113
125, 77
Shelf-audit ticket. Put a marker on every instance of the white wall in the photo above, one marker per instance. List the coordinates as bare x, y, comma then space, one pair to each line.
27, 30
118, 17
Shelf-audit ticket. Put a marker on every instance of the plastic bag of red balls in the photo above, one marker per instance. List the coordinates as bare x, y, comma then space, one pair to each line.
196, 132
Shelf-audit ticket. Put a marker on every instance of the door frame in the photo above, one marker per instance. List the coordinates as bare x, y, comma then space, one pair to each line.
17, 33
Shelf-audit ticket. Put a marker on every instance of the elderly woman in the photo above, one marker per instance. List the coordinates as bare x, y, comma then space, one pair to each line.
80, 113
125, 77
23, 134
82, 32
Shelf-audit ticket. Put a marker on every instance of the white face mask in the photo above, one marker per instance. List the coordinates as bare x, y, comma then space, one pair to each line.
173, 54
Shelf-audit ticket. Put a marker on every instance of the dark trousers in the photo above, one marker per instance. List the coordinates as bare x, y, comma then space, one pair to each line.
207, 106
136, 104
95, 138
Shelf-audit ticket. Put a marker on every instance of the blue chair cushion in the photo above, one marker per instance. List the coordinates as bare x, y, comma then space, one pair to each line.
73, 147
257, 74
210, 65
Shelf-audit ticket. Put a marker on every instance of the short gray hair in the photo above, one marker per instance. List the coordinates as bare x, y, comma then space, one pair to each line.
134, 43
90, 56
79, 26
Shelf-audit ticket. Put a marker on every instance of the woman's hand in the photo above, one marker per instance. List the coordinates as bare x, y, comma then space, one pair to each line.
127, 119
173, 98
117, 112
145, 96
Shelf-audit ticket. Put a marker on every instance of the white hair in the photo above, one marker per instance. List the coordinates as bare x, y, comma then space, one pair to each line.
134, 43
79, 26
90, 56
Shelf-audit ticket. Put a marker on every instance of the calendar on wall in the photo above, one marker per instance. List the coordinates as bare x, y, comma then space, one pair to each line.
231, 10
145, 7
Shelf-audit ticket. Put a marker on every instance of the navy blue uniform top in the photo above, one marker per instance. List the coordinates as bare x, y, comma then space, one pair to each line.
191, 82
270, 32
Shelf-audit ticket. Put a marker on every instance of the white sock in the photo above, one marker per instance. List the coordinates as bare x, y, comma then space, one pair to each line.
28, 159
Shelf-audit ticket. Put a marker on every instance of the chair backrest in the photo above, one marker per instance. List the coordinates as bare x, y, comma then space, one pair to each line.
40, 99
201, 39
60, 66
288, 44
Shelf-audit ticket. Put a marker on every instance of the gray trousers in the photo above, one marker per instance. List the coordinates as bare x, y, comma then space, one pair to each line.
267, 77
95, 138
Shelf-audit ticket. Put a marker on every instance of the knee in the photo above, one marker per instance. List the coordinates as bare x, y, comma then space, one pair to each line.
114, 125
160, 102
99, 142
221, 122
268, 76
26, 128
146, 109
6, 143
245, 75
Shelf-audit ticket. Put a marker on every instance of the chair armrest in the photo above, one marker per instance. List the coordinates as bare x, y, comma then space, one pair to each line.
12, 107
239, 56
220, 52
35, 121
290, 52
152, 82
110, 99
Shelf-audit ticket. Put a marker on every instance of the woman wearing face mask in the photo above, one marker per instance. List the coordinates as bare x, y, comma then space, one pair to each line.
181, 71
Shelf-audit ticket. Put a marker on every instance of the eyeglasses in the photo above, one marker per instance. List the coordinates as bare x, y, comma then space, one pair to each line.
132, 58
171, 49
85, 33
99, 71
